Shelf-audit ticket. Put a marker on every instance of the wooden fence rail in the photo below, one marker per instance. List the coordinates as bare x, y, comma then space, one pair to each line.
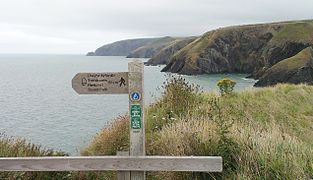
113, 163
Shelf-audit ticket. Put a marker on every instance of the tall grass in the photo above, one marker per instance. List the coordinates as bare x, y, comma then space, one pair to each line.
17, 147
261, 134
111, 139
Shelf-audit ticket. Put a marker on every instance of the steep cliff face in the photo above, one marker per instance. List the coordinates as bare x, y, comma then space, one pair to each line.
297, 69
243, 49
152, 48
165, 54
122, 48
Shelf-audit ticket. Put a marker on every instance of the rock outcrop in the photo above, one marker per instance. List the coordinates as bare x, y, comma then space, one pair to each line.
165, 54
297, 69
243, 49
90, 54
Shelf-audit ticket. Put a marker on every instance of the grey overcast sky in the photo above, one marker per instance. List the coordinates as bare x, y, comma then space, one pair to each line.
78, 26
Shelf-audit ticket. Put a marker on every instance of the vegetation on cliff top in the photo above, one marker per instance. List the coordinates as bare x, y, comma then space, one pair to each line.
123, 47
137, 48
261, 134
152, 48
164, 55
296, 31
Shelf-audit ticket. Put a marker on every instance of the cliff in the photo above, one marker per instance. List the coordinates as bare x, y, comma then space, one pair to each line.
150, 49
297, 69
243, 49
164, 55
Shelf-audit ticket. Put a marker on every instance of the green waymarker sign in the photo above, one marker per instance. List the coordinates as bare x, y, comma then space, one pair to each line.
135, 116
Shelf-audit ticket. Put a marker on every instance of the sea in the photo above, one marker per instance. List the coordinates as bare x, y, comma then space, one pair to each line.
37, 101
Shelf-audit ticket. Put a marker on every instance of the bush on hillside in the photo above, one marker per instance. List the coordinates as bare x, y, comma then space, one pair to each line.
226, 86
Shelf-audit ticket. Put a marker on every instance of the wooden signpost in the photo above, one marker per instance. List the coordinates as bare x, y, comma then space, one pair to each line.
130, 165
136, 113
131, 83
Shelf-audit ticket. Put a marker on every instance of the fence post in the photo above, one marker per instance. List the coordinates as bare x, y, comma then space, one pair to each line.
123, 175
136, 113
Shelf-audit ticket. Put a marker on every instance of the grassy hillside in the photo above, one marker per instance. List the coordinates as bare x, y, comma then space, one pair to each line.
164, 55
296, 31
296, 69
152, 48
297, 61
261, 134
124, 47
243, 49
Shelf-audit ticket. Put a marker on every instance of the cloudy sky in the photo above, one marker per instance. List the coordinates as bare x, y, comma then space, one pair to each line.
78, 26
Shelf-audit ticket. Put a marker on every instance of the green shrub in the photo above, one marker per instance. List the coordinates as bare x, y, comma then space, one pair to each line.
179, 98
179, 95
226, 86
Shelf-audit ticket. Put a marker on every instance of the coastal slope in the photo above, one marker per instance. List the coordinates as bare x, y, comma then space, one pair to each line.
122, 48
243, 49
134, 48
150, 49
164, 55
297, 69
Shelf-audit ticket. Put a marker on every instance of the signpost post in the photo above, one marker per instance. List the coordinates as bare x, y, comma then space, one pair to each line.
136, 109
130, 82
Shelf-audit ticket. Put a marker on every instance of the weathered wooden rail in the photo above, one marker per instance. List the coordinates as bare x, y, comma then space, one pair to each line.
113, 163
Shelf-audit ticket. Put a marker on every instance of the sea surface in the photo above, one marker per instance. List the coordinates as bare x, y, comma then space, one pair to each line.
37, 101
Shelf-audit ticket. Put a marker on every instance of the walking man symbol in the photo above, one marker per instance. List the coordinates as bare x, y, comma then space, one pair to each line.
122, 82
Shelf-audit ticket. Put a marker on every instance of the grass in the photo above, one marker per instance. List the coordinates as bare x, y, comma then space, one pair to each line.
19, 147
261, 134
296, 31
157, 43
295, 62
10, 147
115, 137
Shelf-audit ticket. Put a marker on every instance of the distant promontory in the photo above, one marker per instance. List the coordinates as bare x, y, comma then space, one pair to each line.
134, 48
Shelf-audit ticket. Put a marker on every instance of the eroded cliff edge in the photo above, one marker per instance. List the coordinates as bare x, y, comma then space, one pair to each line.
242, 49
295, 70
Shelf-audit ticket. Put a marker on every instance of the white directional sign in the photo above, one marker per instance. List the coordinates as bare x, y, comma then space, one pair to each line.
101, 83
